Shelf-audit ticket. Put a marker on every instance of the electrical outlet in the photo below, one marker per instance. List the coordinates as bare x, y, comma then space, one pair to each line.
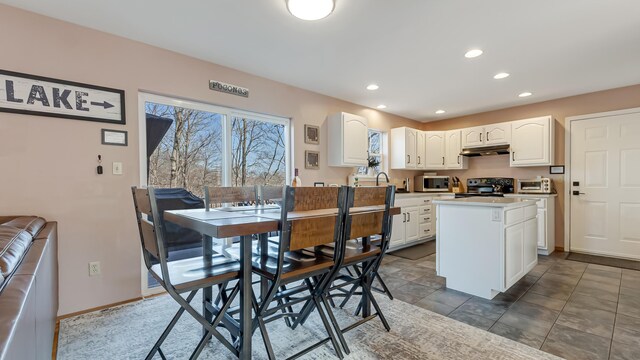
94, 268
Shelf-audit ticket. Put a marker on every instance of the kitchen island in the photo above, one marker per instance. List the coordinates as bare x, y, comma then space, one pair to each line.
485, 244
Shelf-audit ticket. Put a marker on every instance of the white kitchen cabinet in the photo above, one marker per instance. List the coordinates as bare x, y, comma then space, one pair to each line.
473, 137
489, 135
412, 226
530, 244
545, 220
497, 134
420, 150
453, 145
514, 254
532, 142
435, 149
403, 148
416, 221
397, 230
348, 140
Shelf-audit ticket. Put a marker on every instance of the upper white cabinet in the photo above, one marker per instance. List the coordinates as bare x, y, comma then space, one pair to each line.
497, 134
403, 148
532, 142
348, 140
453, 144
435, 149
420, 150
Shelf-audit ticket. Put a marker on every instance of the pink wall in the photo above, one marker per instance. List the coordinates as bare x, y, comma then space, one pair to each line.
601, 101
49, 164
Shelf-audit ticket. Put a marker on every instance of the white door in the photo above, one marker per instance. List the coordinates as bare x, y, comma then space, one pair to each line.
497, 134
435, 149
356, 139
420, 149
410, 147
412, 226
531, 142
397, 229
605, 176
453, 144
473, 137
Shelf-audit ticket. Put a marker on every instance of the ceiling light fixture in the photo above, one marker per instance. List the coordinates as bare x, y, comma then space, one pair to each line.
440, 112
382, 106
373, 87
310, 9
501, 75
525, 94
473, 53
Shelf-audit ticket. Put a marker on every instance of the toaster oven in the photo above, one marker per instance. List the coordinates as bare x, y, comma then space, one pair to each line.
535, 186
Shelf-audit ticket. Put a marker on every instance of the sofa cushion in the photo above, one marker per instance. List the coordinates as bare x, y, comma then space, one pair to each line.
30, 224
14, 242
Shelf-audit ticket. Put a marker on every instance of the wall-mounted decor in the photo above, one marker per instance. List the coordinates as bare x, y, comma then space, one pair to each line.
228, 88
114, 137
312, 134
312, 160
37, 95
556, 169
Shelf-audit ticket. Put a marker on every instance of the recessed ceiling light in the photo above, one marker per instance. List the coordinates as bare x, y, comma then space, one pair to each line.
473, 53
440, 112
525, 94
310, 9
373, 87
501, 75
382, 106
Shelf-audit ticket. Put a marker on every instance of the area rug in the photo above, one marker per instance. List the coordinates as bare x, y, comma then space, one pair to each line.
417, 251
606, 261
129, 331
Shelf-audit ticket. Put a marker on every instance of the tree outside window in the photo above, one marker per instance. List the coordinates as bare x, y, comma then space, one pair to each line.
375, 152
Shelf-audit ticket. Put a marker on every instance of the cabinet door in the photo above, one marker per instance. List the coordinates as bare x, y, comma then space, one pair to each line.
453, 145
542, 229
514, 254
530, 244
356, 139
497, 134
412, 226
531, 142
473, 137
397, 230
435, 149
411, 139
420, 149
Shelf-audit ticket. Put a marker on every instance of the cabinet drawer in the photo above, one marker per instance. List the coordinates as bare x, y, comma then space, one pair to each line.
425, 218
426, 201
424, 210
513, 216
426, 231
530, 212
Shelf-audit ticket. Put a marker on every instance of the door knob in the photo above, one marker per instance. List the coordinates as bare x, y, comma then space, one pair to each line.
575, 192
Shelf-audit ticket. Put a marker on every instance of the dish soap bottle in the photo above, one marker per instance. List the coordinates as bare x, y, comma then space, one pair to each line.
296, 182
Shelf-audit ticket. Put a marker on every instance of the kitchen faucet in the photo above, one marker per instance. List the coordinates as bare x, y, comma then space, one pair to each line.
378, 177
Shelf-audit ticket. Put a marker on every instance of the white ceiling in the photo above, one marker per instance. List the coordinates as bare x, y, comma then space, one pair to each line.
414, 49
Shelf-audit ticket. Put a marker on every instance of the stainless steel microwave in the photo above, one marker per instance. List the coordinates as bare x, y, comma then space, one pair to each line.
427, 183
535, 186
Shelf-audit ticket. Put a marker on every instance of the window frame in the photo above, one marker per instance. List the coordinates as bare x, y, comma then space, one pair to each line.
383, 153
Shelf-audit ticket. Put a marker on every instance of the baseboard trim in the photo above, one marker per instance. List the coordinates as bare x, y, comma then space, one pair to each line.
54, 351
98, 308
560, 248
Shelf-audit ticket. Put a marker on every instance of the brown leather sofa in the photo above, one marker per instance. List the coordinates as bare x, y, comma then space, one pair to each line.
28, 287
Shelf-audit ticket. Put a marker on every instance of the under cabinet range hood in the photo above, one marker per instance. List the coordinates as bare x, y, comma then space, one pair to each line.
485, 150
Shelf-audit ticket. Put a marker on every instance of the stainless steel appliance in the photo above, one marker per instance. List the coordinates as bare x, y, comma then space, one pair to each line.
485, 150
535, 186
488, 187
431, 183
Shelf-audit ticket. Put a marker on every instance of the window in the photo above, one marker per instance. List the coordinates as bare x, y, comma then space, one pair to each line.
375, 151
192, 145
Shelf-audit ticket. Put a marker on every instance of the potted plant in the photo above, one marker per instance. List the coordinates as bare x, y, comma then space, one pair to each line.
372, 163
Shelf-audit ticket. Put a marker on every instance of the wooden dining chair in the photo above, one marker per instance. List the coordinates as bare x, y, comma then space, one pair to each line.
269, 194
310, 216
185, 276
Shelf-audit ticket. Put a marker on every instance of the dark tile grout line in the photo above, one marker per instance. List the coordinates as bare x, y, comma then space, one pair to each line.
615, 318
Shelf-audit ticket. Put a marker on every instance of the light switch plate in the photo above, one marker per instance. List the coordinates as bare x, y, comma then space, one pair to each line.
117, 168
496, 215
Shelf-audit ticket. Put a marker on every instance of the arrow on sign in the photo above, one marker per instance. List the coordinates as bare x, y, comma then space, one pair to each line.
105, 104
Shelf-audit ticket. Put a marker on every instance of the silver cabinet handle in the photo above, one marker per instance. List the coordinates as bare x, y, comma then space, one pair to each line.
458, 159
418, 160
405, 217
513, 156
443, 160
408, 217
408, 159
480, 137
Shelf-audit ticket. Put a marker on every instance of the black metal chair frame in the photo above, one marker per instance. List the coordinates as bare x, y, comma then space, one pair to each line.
314, 282
156, 249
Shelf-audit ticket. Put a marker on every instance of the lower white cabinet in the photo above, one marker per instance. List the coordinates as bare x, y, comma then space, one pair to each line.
545, 220
416, 221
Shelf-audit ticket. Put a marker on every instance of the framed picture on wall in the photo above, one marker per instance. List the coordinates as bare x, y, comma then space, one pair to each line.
312, 160
312, 134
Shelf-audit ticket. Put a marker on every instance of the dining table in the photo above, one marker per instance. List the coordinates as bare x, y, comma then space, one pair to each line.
246, 223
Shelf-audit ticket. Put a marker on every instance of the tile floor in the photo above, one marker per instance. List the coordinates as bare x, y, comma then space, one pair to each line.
570, 309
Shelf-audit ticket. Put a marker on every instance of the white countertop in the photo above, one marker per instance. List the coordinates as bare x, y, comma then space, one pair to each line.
487, 202
536, 196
